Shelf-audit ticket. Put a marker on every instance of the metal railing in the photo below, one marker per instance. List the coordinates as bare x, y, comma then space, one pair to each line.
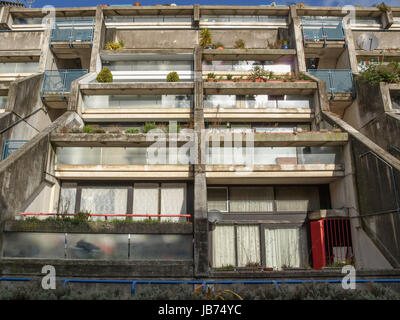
321, 30
205, 283
108, 215
59, 81
337, 81
10, 146
73, 31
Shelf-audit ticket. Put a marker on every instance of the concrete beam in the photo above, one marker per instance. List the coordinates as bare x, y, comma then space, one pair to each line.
111, 140
270, 87
137, 88
331, 213
136, 227
387, 19
247, 54
4, 18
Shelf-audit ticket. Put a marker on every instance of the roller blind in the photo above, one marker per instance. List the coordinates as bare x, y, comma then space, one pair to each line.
223, 249
145, 199
251, 199
217, 199
297, 198
173, 200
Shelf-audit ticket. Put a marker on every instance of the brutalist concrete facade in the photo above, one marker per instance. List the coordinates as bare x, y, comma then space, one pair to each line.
364, 189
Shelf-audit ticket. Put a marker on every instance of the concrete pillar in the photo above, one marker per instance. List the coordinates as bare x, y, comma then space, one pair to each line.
387, 19
297, 36
4, 18
196, 15
98, 40
200, 229
351, 50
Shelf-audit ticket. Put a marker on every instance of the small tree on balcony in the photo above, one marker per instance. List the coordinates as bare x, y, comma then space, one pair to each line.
205, 38
105, 75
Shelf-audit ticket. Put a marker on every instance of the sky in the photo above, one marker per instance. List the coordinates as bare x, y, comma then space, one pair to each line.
84, 3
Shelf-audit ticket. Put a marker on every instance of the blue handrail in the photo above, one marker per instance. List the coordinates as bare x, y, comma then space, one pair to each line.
318, 30
10, 146
73, 31
204, 283
59, 81
337, 81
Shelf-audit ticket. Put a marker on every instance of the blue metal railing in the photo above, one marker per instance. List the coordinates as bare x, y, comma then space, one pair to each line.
59, 81
73, 31
318, 30
337, 81
204, 283
10, 146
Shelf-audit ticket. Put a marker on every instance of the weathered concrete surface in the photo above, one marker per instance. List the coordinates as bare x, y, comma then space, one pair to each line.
98, 40
98, 227
98, 268
386, 39
154, 38
112, 139
369, 115
254, 38
21, 40
23, 171
248, 54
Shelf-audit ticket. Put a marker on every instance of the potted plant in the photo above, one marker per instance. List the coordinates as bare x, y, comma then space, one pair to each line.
137, 4
205, 39
173, 77
211, 77
115, 45
285, 44
239, 44
105, 75
219, 46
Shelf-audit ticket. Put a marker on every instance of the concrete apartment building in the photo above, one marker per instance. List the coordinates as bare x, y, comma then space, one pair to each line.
324, 187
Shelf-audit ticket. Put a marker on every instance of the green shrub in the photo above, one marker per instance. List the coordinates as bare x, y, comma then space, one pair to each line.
205, 38
229, 77
82, 215
173, 77
132, 131
115, 45
378, 72
149, 126
239, 44
383, 7
211, 75
88, 129
218, 44
105, 75
259, 73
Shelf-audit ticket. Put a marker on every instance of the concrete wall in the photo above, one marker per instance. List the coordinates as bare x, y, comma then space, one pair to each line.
253, 38
29, 161
21, 40
367, 114
387, 40
148, 39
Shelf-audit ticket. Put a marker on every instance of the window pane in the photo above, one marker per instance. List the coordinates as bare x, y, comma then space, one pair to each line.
67, 199
248, 245
285, 247
145, 199
223, 249
251, 199
173, 200
103, 200
297, 199
217, 199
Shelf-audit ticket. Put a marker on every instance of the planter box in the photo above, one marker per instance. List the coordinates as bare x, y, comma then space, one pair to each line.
286, 160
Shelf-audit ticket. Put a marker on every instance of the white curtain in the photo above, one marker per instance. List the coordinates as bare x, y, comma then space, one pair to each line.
251, 199
173, 200
102, 200
283, 247
145, 199
217, 199
248, 245
67, 199
297, 198
223, 248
